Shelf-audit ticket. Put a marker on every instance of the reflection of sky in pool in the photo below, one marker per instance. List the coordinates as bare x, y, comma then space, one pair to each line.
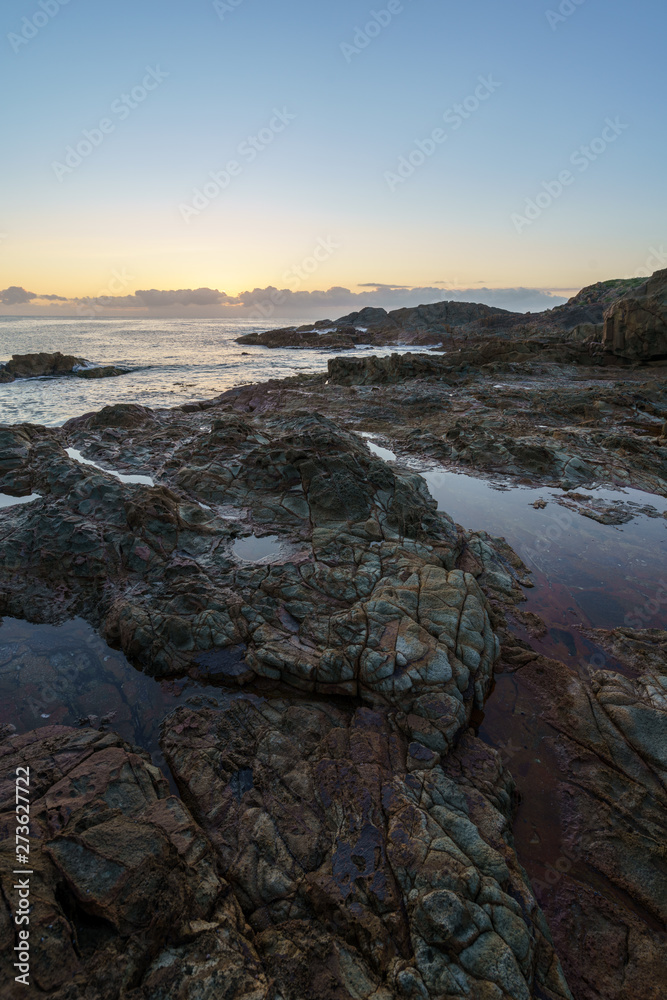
141, 480
8, 501
584, 573
56, 675
254, 549
601, 572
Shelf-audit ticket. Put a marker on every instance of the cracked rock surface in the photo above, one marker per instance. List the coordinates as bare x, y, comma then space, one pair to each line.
604, 739
341, 832
126, 895
365, 865
367, 599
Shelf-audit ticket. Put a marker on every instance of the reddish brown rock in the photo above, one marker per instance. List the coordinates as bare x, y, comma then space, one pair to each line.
124, 891
600, 869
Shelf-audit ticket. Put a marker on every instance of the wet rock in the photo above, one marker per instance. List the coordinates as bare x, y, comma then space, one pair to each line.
365, 601
308, 338
54, 365
384, 371
365, 865
636, 325
604, 894
125, 893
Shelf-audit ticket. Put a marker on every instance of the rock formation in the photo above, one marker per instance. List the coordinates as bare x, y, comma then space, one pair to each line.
441, 324
54, 365
635, 327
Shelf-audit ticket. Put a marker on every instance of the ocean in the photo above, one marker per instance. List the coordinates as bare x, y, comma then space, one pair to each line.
174, 361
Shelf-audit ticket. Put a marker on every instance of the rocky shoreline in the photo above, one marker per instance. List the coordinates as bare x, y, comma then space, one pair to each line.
341, 829
444, 325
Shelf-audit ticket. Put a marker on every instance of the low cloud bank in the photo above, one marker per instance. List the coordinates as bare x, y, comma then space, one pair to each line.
272, 303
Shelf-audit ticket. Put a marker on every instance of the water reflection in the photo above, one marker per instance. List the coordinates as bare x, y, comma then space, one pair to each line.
585, 574
9, 501
583, 571
66, 674
133, 479
254, 549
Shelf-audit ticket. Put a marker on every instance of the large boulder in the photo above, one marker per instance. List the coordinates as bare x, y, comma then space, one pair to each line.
54, 365
33, 365
635, 327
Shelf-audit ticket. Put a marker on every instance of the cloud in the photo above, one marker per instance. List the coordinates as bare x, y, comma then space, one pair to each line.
154, 298
380, 285
184, 297
285, 302
273, 303
16, 296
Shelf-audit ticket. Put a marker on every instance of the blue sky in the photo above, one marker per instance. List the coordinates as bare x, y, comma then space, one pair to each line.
331, 173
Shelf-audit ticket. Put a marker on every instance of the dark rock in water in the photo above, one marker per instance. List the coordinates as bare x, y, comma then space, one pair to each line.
33, 365
54, 365
422, 326
106, 371
309, 338
636, 325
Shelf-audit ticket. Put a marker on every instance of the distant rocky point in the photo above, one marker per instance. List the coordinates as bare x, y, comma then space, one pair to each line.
54, 365
446, 324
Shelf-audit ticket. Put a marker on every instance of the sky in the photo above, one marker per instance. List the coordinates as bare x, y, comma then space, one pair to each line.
218, 158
